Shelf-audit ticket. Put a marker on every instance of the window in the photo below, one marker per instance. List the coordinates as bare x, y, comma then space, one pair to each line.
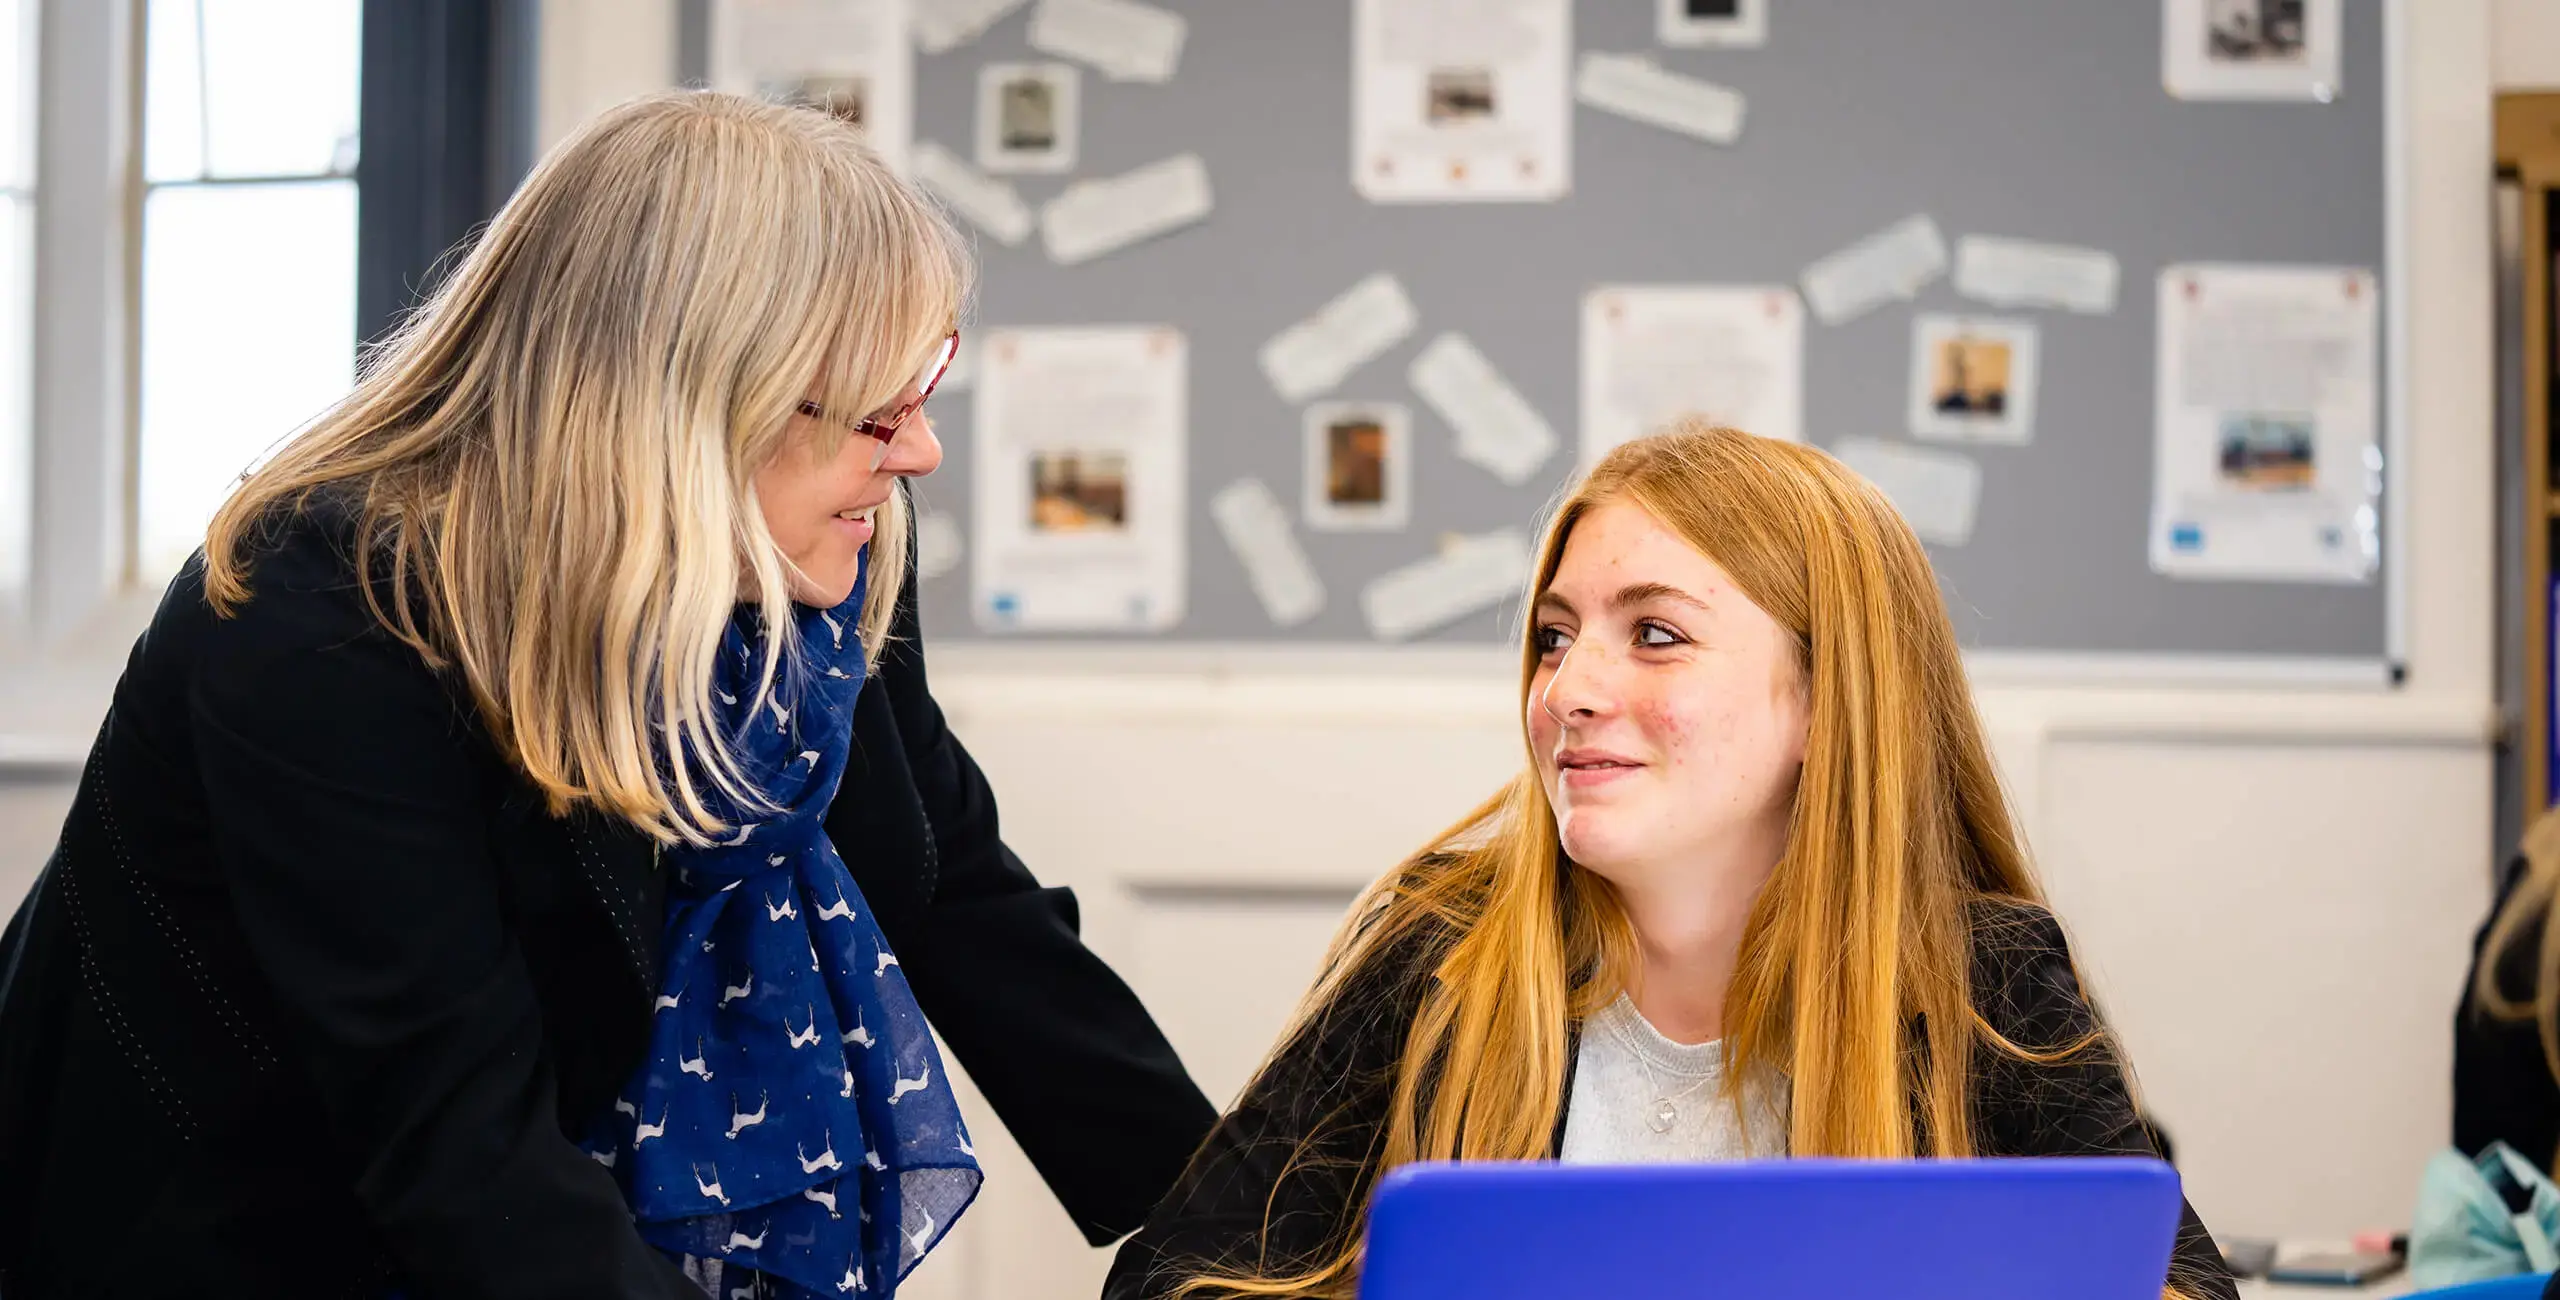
248, 246
17, 279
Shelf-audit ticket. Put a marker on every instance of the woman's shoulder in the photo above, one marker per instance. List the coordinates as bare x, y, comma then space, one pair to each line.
305, 616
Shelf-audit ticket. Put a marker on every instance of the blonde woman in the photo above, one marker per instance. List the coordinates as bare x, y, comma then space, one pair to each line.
1754, 893
523, 853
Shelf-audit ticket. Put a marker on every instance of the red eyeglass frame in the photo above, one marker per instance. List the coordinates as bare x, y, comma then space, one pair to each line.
886, 429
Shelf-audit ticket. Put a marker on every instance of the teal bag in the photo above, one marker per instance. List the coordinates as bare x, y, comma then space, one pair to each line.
2466, 1229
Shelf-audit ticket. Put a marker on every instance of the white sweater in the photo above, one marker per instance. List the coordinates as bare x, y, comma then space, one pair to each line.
1626, 1069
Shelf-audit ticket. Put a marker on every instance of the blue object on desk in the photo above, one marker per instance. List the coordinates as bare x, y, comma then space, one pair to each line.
2093, 1229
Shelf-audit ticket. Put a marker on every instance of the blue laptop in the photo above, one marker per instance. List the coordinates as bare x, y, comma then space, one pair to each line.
2048, 1229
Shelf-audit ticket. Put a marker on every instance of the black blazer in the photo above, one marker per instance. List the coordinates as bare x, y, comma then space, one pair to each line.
2502, 1085
312, 990
1331, 1084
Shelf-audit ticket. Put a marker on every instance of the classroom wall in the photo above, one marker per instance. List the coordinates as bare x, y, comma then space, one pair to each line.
2528, 47
2272, 891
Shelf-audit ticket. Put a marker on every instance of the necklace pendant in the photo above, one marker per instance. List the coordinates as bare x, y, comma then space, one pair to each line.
1664, 1115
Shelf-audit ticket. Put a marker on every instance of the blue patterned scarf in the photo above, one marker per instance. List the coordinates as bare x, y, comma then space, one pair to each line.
792, 1133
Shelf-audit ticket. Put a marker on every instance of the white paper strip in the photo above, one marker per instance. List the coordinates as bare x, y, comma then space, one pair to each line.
1257, 528
1632, 86
1126, 40
1891, 264
1473, 574
938, 544
988, 203
1498, 430
2024, 273
1936, 491
945, 25
1091, 218
1345, 334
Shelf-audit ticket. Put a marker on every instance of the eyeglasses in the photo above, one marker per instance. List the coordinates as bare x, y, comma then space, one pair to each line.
886, 427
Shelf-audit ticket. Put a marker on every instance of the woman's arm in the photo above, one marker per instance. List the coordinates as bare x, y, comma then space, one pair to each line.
1057, 1043
2026, 985
349, 815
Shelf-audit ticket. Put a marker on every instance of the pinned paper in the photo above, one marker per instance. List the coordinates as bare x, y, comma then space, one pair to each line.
1359, 466
1656, 353
1125, 40
1091, 218
1469, 574
1275, 566
1973, 378
1029, 116
1079, 480
938, 544
1936, 491
1315, 354
988, 203
1632, 86
1890, 265
850, 59
2266, 442
1461, 101
1498, 431
2023, 273
942, 26
2215, 49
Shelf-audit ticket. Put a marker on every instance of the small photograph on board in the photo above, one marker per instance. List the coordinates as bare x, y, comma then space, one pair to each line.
1458, 96
2250, 49
847, 97
2253, 31
1719, 23
1079, 492
2267, 452
1973, 379
1027, 117
1359, 466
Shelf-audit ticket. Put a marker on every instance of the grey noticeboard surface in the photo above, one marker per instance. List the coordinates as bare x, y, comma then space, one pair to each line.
2038, 119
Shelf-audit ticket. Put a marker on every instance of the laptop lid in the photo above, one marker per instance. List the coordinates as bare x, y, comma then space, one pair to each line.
2085, 1229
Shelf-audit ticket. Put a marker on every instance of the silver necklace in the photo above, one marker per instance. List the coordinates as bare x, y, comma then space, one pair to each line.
1666, 1110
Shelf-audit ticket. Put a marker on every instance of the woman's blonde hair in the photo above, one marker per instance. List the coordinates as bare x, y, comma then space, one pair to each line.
552, 460
2528, 907
1862, 932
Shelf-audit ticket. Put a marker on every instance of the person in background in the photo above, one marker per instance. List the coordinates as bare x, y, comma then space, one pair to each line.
2506, 1031
524, 857
1754, 893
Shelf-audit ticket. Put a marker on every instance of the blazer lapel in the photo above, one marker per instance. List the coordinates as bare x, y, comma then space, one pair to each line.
620, 866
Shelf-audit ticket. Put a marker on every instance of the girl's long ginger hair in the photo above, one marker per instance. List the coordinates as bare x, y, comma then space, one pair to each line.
1861, 933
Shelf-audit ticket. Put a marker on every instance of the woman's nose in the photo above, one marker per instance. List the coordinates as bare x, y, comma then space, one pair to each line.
1576, 689
914, 451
